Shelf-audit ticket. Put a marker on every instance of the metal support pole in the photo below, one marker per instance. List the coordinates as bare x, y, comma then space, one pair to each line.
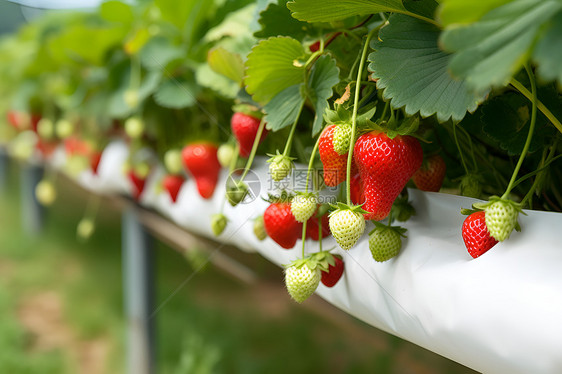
4, 160
138, 294
32, 211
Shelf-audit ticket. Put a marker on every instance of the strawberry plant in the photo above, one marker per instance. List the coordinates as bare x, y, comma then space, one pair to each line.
359, 92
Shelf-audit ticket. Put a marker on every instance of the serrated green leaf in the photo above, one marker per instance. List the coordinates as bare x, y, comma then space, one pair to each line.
412, 70
226, 63
116, 11
283, 109
323, 76
487, 53
335, 10
271, 68
158, 52
176, 94
463, 12
425, 8
548, 51
506, 121
276, 20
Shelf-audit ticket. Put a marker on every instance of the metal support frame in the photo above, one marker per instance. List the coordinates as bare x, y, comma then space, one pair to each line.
32, 212
138, 271
4, 164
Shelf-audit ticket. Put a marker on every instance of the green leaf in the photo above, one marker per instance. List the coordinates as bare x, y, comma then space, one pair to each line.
176, 94
490, 51
217, 82
117, 107
276, 20
158, 52
463, 12
548, 51
273, 66
116, 11
335, 10
226, 63
412, 70
283, 109
506, 120
323, 76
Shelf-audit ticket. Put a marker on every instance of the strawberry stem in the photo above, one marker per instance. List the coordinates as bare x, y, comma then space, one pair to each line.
459, 148
529, 135
548, 114
310, 162
354, 115
303, 236
292, 133
254, 149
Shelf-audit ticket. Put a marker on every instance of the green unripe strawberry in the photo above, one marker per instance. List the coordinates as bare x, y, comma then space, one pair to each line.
385, 242
173, 161
131, 98
134, 127
501, 217
85, 229
259, 228
45, 128
64, 128
303, 206
218, 223
302, 280
347, 224
342, 138
280, 167
225, 153
45, 192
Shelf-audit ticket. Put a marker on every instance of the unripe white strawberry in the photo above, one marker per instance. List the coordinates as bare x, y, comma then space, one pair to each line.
347, 225
45, 192
85, 229
259, 228
218, 223
63, 128
280, 167
225, 153
501, 218
173, 161
303, 206
45, 128
134, 127
342, 138
302, 281
131, 98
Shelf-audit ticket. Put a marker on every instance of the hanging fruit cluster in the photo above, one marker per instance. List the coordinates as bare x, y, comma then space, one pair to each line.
374, 98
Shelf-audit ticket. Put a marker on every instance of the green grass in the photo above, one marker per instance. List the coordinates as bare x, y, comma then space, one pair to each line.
212, 325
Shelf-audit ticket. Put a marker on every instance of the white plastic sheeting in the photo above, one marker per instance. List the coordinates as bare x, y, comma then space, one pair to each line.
500, 313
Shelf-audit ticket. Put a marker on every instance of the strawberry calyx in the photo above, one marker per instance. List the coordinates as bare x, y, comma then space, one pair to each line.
495, 199
283, 197
323, 260
402, 210
311, 261
339, 206
249, 110
382, 227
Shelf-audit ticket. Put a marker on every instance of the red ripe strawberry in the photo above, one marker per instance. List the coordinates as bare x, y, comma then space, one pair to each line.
46, 147
172, 183
312, 227
75, 146
200, 159
332, 276
385, 166
335, 165
475, 234
280, 224
138, 183
314, 46
431, 174
357, 195
245, 129
95, 158
17, 119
